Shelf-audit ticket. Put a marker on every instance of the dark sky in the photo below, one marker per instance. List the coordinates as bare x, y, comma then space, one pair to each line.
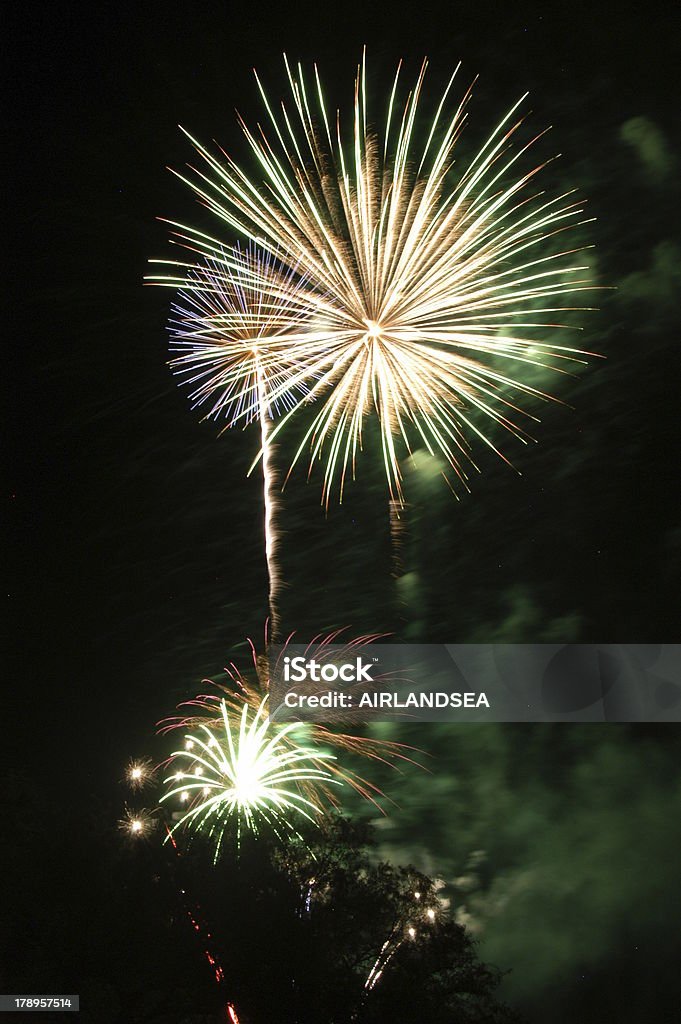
135, 550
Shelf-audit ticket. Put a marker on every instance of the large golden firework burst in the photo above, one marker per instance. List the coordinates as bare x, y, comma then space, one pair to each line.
431, 286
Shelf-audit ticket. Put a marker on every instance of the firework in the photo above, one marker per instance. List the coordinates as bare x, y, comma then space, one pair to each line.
402, 931
137, 823
139, 772
245, 770
237, 327
327, 748
434, 288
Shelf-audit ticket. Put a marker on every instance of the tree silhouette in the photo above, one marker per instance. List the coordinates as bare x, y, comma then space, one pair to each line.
328, 934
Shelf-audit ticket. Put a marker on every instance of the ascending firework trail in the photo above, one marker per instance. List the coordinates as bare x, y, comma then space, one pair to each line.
237, 333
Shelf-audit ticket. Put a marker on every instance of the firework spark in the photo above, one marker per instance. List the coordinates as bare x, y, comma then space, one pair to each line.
434, 288
137, 823
139, 772
245, 770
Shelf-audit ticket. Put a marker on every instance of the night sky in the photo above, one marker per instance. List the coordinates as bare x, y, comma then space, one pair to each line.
136, 563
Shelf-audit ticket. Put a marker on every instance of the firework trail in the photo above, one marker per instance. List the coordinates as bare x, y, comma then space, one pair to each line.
432, 289
396, 513
269, 504
236, 330
401, 932
141, 824
203, 934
